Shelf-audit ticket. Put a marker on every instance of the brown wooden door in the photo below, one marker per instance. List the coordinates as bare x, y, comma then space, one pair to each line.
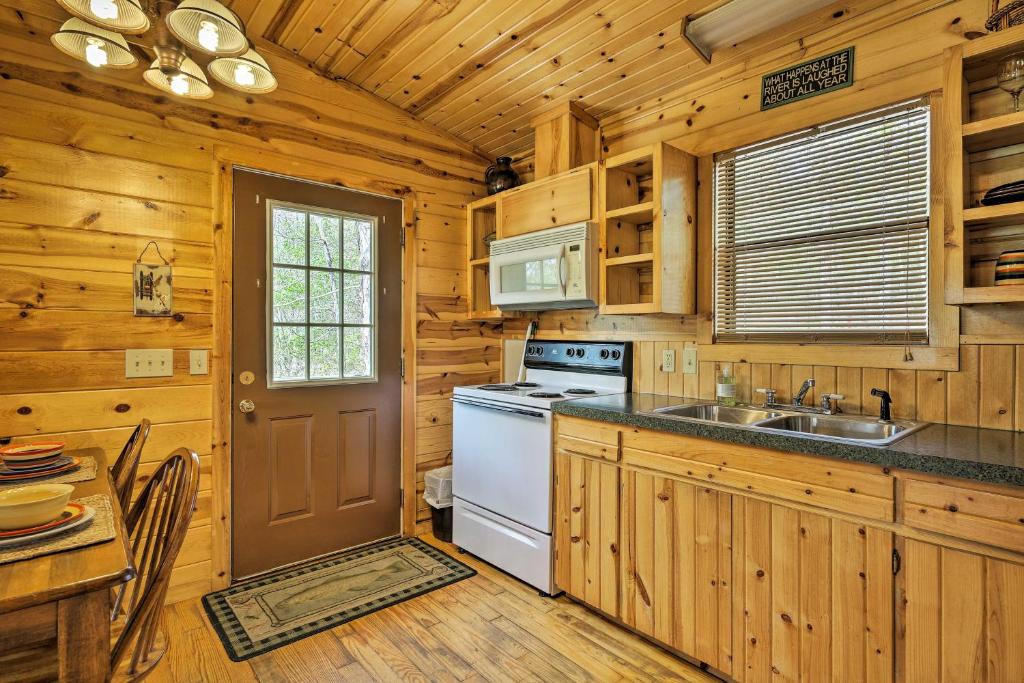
317, 365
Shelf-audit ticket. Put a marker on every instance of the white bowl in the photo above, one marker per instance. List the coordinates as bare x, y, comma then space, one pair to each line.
25, 507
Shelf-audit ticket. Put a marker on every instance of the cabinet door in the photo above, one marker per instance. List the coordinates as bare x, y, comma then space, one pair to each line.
813, 596
548, 203
962, 616
677, 565
587, 530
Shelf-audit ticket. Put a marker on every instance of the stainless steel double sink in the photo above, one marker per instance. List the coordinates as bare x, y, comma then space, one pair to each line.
856, 429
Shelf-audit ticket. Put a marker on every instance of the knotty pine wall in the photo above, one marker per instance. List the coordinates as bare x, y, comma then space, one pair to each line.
93, 166
899, 46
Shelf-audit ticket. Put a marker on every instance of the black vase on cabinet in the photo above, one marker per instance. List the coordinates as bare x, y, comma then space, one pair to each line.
500, 176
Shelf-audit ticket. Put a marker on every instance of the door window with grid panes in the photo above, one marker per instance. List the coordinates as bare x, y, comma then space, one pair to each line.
322, 312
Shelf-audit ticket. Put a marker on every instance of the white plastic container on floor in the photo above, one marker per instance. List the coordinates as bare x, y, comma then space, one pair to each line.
438, 487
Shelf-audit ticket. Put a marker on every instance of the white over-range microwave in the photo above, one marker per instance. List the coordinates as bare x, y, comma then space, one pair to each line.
554, 268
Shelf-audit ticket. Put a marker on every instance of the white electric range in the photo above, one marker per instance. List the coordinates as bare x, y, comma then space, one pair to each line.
503, 464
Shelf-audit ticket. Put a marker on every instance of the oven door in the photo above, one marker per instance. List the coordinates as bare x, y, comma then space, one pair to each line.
502, 460
530, 276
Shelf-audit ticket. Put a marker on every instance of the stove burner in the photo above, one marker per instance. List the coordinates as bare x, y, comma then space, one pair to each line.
580, 392
498, 387
526, 385
545, 394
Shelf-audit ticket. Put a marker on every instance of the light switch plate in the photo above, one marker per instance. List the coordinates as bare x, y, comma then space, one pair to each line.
690, 360
668, 360
148, 363
199, 362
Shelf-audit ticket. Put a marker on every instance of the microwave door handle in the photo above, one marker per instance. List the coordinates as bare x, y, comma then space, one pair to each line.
562, 271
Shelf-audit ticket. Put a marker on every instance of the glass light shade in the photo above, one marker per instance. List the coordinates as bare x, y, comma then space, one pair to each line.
209, 27
189, 82
248, 73
93, 45
123, 16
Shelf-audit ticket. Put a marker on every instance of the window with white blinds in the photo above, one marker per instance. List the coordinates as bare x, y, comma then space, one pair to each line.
823, 235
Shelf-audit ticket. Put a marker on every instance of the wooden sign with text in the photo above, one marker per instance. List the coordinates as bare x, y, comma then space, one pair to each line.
816, 77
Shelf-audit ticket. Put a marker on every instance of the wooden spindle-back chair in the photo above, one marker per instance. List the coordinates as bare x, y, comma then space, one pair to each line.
126, 466
156, 526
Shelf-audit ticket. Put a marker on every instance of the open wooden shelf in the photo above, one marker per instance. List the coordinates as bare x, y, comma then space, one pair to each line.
1000, 214
480, 261
637, 213
632, 259
995, 132
993, 295
985, 139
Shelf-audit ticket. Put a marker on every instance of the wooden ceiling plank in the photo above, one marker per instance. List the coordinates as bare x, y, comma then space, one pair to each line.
341, 43
476, 68
303, 23
610, 92
481, 31
543, 81
262, 16
429, 46
340, 16
370, 34
405, 47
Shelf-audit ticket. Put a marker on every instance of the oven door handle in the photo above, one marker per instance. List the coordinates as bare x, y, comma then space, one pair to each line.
488, 406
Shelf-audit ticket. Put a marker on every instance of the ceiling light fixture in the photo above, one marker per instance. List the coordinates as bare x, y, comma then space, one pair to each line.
248, 73
184, 80
739, 20
123, 16
208, 26
93, 36
93, 45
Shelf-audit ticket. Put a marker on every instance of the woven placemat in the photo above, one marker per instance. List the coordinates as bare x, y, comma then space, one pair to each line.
85, 472
100, 529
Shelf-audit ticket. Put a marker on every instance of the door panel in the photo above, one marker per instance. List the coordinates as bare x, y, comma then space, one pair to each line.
963, 616
316, 464
813, 596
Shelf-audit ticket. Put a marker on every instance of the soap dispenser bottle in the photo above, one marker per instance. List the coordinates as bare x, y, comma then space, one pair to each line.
725, 387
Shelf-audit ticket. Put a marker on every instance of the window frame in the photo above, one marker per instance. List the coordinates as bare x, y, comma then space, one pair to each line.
341, 326
834, 338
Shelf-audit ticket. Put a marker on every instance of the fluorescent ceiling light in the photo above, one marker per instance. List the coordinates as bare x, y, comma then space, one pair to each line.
739, 20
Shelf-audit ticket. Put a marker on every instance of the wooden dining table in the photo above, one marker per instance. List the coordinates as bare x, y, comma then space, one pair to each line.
55, 609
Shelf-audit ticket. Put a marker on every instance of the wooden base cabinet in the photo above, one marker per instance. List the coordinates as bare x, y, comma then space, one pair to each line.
587, 530
962, 616
812, 596
676, 569
884, 580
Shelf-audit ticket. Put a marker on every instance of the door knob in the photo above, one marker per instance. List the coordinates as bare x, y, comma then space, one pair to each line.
246, 406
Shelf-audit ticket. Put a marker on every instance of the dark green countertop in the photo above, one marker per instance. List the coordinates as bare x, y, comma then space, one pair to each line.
988, 455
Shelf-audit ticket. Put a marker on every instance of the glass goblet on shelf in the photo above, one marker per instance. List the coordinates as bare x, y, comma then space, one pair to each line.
1011, 77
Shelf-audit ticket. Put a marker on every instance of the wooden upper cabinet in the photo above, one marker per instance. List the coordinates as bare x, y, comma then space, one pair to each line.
962, 616
982, 135
557, 200
481, 227
648, 233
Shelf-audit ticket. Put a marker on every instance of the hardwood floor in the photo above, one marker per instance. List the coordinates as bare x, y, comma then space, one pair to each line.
487, 628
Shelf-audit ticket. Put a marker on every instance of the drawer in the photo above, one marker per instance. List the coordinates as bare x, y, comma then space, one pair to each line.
862, 490
983, 516
589, 438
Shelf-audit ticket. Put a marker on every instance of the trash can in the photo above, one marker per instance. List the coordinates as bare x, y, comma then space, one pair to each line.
437, 491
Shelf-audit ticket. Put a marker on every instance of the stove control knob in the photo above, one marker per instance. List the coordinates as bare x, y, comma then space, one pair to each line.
580, 352
616, 354
571, 352
605, 354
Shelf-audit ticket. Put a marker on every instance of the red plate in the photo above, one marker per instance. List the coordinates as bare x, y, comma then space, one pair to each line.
31, 451
70, 513
19, 476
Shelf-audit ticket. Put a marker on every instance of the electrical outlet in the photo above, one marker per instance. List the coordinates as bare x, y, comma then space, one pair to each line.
668, 360
690, 360
148, 363
198, 362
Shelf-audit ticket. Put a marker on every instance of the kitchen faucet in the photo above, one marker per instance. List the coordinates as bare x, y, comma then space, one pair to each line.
885, 411
798, 400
